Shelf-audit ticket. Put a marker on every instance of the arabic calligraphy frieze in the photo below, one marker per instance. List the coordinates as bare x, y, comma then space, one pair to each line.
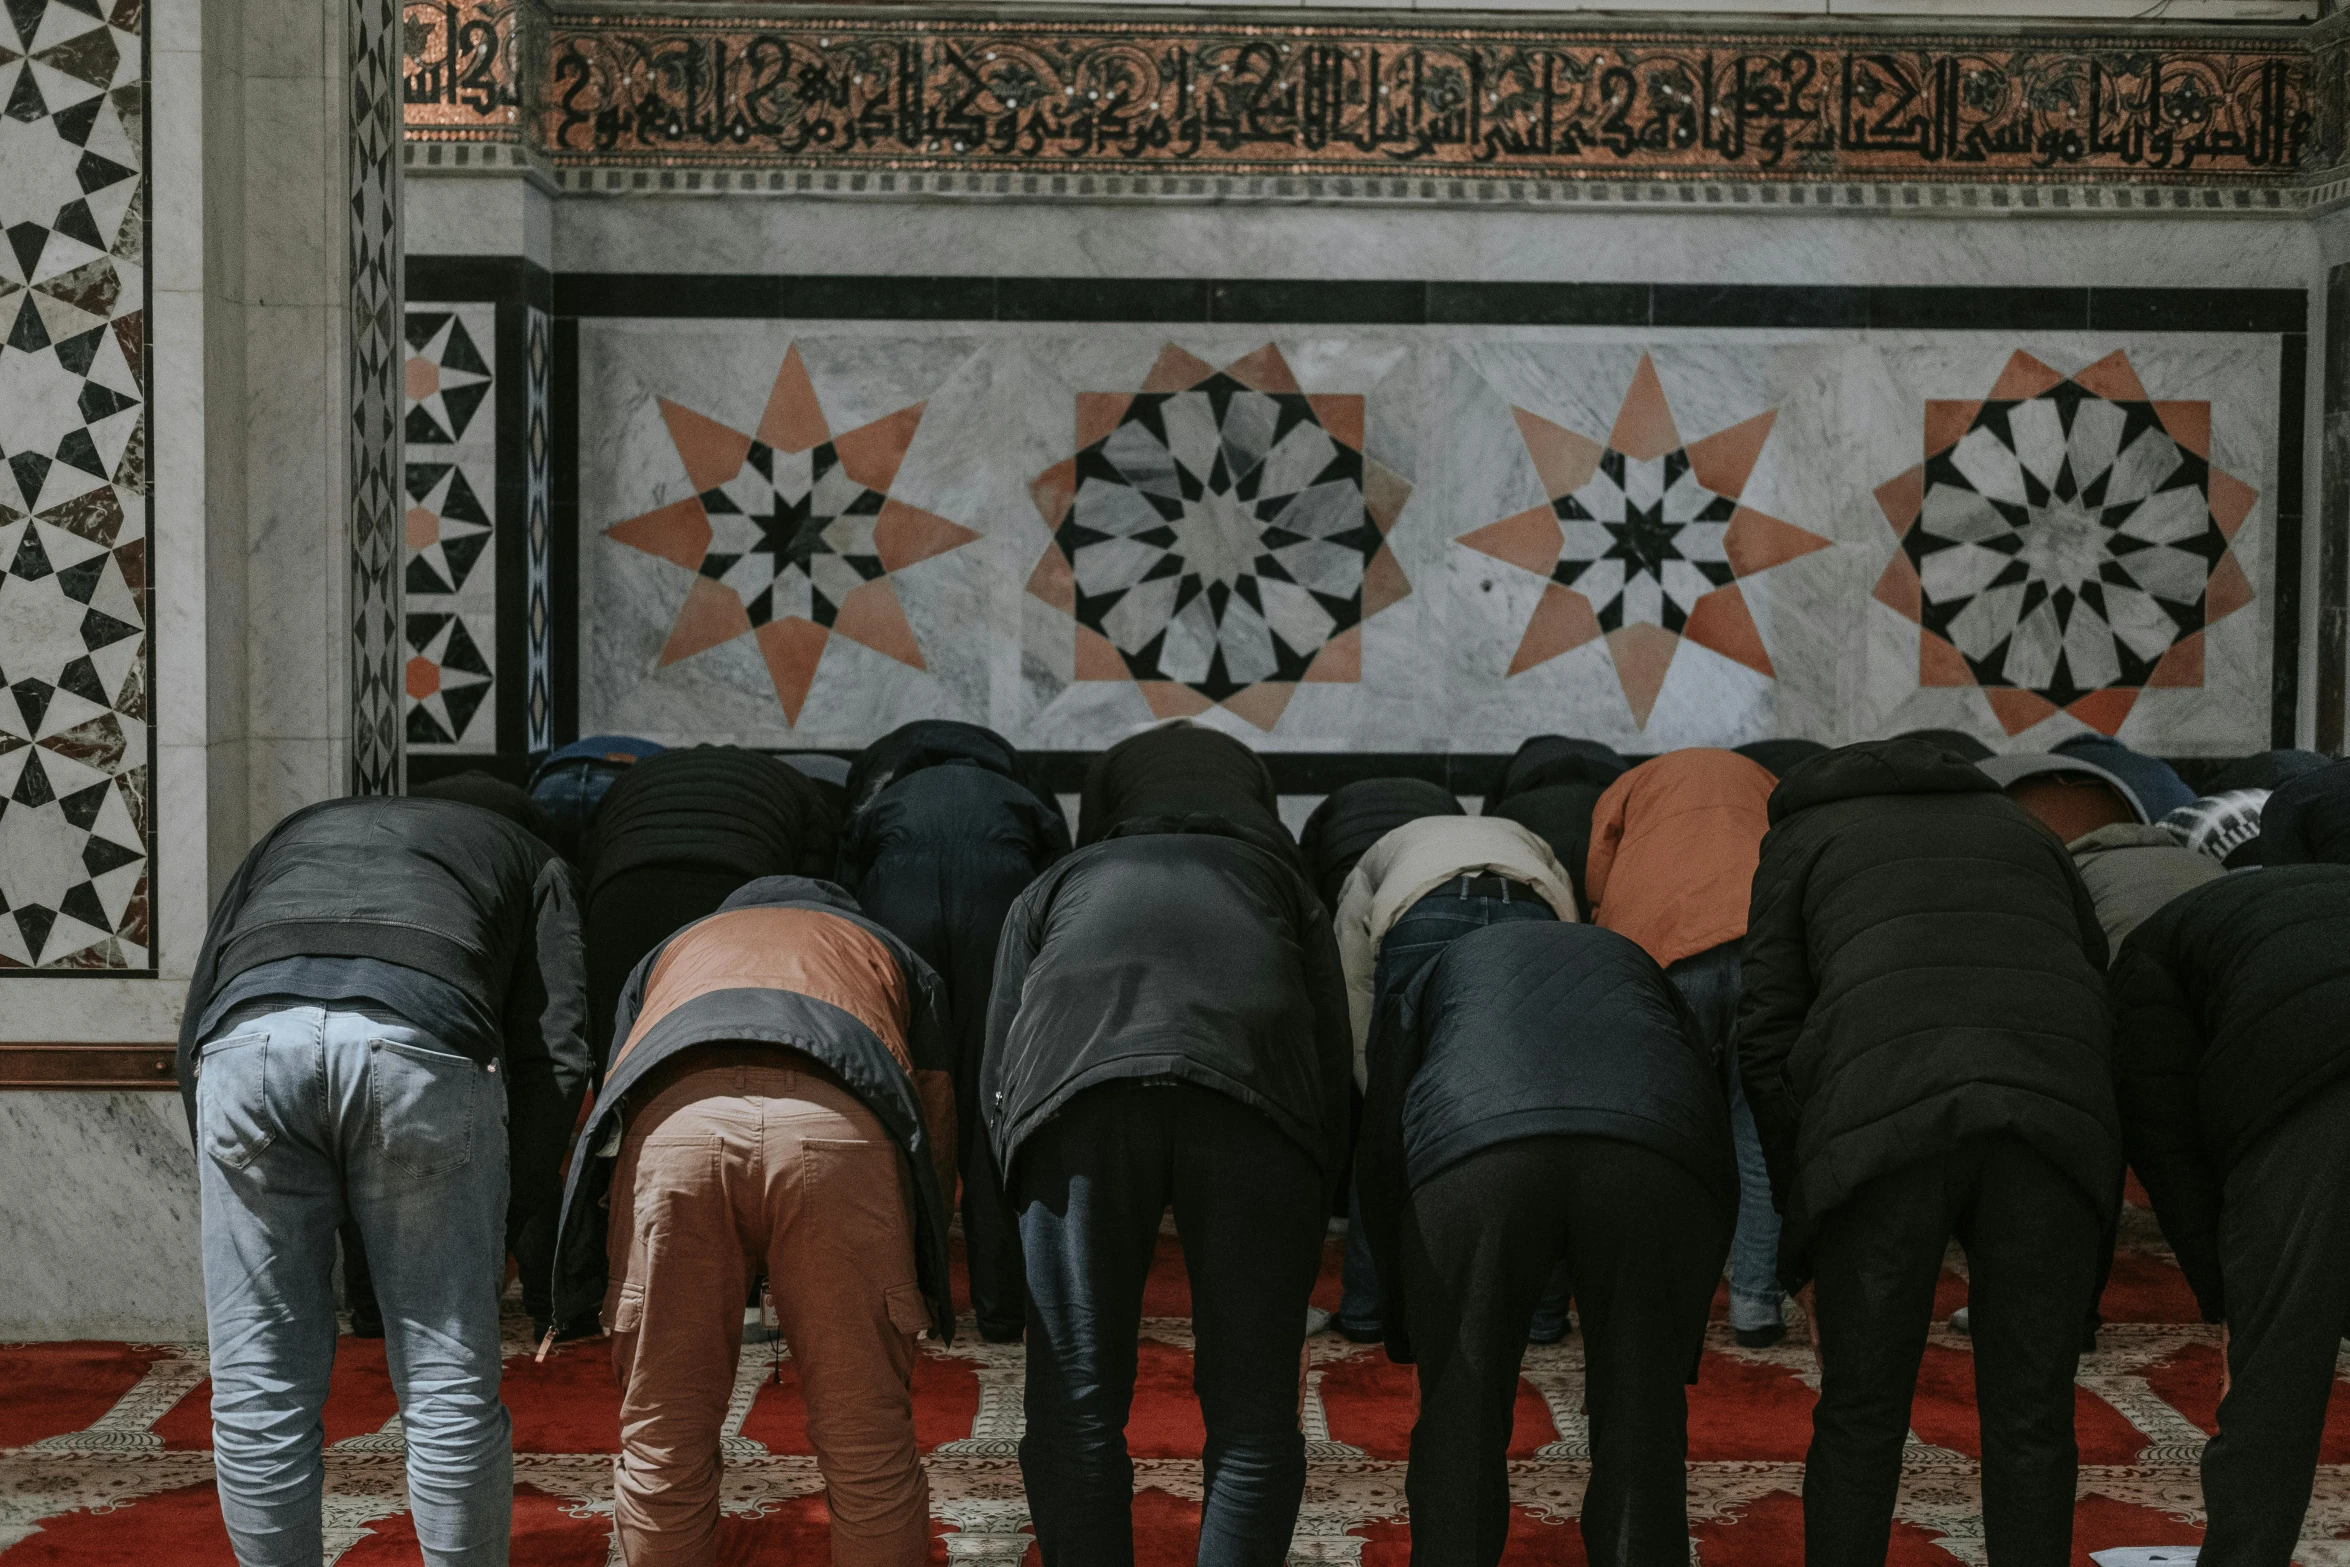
458, 71
1096, 96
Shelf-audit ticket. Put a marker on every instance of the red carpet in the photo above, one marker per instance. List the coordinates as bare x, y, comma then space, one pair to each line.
103, 1449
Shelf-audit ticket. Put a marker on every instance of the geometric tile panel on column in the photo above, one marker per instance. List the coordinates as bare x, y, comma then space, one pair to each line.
450, 556
375, 358
1420, 538
76, 827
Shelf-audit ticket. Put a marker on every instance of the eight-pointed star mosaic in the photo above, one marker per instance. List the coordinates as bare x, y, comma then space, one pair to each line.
1219, 537
791, 534
1644, 540
2065, 544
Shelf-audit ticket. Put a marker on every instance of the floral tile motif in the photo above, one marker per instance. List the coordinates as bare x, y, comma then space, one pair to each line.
449, 571
1644, 541
1219, 536
2065, 544
791, 534
75, 818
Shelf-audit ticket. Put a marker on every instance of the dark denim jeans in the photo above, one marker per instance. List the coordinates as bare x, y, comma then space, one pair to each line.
1251, 1209
1430, 925
1709, 981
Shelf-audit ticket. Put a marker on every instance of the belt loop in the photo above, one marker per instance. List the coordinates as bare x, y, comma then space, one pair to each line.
1465, 880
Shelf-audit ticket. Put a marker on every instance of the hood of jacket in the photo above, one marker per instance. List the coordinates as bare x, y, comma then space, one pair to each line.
930, 742
2307, 820
1174, 770
1555, 759
714, 806
1354, 816
1876, 767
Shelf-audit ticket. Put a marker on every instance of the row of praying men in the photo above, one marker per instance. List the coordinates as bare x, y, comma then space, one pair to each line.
1798, 1014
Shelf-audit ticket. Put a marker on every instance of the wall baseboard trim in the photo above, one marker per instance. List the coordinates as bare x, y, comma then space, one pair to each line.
62, 1064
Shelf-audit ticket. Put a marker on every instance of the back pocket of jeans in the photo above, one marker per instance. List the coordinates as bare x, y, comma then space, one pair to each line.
232, 1099
424, 1102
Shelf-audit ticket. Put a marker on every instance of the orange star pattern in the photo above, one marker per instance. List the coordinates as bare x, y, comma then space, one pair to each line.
791, 534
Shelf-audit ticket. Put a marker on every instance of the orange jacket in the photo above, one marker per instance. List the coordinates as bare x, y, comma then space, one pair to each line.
1673, 849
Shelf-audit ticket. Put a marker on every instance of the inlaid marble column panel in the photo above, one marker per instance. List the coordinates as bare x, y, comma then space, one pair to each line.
449, 527
76, 784
1420, 538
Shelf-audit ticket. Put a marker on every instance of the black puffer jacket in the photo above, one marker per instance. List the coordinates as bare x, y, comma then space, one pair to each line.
1531, 1029
946, 839
1922, 967
2231, 1007
1181, 948
2307, 820
1354, 816
713, 807
444, 888
1546, 761
1180, 769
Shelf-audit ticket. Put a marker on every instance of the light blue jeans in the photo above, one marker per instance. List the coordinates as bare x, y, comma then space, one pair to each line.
303, 1115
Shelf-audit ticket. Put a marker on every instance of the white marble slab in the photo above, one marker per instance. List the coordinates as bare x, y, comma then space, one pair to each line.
1000, 408
100, 1236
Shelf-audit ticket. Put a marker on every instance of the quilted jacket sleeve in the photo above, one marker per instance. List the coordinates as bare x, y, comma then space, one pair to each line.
1776, 997
2159, 1048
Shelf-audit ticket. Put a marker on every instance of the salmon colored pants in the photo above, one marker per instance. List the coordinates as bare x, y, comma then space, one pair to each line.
739, 1154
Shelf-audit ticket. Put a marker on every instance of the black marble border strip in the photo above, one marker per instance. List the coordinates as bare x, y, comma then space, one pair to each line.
2284, 719
1372, 302
2333, 542
474, 279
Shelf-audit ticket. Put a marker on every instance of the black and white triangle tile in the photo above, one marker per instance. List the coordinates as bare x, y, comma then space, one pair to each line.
449, 420
75, 814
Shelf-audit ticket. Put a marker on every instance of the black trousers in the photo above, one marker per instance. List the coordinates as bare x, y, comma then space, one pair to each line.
1645, 1243
2031, 1238
2284, 1256
1249, 1205
950, 908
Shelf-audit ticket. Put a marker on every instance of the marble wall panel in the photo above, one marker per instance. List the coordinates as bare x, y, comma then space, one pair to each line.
76, 779
450, 570
801, 533
100, 1236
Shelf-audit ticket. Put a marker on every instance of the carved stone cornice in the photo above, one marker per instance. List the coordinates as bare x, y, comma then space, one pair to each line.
1381, 106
